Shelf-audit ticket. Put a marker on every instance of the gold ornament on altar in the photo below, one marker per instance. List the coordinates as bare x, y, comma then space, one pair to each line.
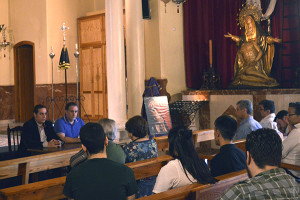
255, 53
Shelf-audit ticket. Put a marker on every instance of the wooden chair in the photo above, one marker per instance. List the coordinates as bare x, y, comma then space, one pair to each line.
15, 134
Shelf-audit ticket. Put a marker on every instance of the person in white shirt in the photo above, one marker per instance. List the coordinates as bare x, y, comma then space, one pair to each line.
267, 112
187, 168
291, 145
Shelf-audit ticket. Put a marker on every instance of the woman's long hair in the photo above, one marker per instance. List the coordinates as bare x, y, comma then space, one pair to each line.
181, 147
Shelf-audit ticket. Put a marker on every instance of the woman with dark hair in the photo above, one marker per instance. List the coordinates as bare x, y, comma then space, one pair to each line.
187, 167
140, 148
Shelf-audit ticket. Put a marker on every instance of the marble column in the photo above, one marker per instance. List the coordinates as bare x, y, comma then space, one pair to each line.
135, 53
115, 61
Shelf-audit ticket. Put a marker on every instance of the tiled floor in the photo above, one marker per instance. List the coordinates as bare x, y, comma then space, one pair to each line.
3, 140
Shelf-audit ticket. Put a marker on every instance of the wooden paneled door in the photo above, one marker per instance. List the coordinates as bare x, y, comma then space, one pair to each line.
93, 80
24, 80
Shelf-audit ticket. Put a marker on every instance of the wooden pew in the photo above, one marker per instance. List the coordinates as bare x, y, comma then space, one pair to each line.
216, 190
241, 144
48, 189
52, 188
198, 136
149, 167
196, 190
27, 165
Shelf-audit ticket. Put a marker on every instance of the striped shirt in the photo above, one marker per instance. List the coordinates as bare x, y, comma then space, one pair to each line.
271, 184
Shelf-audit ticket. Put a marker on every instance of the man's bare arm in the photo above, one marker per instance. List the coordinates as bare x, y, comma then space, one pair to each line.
68, 139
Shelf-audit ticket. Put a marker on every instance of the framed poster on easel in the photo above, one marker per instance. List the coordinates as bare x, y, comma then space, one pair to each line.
158, 115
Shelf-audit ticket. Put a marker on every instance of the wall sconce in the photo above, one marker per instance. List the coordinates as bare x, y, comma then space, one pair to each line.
4, 42
178, 2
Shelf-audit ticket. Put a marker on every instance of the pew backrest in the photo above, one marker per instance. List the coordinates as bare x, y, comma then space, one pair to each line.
198, 136
196, 190
148, 167
53, 188
241, 144
44, 190
216, 190
27, 165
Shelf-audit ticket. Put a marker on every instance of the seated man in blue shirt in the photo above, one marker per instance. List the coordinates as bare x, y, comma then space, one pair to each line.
244, 110
68, 127
230, 158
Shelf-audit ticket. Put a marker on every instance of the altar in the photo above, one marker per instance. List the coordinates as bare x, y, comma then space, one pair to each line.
218, 101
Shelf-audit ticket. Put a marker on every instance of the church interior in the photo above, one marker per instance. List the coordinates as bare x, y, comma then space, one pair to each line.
172, 47
195, 49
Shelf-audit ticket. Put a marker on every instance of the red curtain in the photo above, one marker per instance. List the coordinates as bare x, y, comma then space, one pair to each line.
206, 20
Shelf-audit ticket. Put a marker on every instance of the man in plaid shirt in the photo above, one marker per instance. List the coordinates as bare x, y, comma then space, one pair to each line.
266, 179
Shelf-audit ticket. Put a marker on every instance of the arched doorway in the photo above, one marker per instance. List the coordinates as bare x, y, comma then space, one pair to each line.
24, 80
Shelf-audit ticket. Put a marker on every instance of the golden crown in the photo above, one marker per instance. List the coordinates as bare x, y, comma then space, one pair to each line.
249, 9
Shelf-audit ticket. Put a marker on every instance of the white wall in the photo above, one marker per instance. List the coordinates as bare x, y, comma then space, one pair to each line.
59, 12
164, 45
172, 47
28, 22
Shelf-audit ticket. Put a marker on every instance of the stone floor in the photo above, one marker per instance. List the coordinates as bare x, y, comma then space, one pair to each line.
4, 141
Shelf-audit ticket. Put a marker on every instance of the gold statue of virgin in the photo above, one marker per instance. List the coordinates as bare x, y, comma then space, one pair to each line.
255, 54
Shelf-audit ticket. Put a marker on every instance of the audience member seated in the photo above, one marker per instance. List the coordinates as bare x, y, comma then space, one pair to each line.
267, 112
282, 123
187, 168
99, 177
114, 151
140, 148
291, 145
266, 179
230, 158
38, 132
68, 127
244, 110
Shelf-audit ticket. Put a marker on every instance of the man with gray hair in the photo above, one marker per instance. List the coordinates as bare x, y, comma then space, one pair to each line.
114, 151
244, 110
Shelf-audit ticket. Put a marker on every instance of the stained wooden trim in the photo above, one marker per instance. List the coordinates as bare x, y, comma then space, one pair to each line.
290, 166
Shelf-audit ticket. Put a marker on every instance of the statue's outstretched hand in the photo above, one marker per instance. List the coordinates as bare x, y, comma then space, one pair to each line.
228, 35
233, 37
277, 40
272, 40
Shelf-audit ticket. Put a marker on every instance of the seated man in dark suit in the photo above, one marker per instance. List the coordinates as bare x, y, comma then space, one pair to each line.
230, 158
38, 132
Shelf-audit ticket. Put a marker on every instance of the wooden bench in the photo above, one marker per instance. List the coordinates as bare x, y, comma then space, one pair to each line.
241, 144
52, 188
199, 191
198, 136
216, 190
27, 165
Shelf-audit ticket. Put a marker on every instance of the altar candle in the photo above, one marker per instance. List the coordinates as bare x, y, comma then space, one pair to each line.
210, 53
76, 46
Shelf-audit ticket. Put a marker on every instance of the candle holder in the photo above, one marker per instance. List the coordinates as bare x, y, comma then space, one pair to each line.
211, 80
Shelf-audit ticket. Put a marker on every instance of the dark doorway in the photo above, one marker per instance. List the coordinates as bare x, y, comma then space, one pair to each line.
24, 80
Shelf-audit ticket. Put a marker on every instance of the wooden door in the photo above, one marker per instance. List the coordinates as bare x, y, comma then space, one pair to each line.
24, 80
93, 82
